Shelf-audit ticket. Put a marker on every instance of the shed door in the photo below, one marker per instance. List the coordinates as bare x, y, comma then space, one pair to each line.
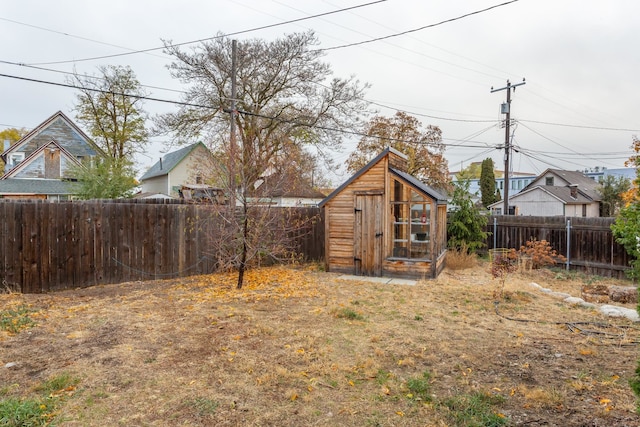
368, 233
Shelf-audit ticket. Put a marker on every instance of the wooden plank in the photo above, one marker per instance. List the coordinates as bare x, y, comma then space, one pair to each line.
31, 280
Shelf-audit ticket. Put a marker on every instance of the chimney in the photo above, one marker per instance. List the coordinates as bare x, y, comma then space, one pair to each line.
574, 190
160, 163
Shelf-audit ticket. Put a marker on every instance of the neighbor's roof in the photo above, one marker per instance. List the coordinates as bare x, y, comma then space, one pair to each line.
572, 177
48, 131
35, 186
562, 194
169, 161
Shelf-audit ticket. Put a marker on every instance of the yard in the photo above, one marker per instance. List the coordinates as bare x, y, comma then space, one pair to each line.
298, 346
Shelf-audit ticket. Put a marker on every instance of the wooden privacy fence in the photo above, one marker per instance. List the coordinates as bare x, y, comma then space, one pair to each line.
47, 246
587, 243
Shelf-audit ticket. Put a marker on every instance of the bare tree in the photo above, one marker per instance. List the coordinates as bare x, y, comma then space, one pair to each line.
286, 99
285, 95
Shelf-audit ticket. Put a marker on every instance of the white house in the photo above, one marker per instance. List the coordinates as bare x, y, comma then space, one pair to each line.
189, 165
556, 192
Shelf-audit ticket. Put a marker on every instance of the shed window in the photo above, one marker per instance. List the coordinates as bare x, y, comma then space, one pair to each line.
411, 222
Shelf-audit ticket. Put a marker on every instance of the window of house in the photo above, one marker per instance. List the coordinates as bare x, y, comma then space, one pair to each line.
548, 180
15, 158
411, 222
584, 210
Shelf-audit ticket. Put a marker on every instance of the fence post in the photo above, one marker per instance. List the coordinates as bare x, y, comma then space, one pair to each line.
568, 243
495, 231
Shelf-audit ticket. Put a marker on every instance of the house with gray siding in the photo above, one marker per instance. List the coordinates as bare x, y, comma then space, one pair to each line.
41, 164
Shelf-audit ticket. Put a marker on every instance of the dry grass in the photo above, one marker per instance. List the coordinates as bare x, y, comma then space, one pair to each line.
460, 259
302, 347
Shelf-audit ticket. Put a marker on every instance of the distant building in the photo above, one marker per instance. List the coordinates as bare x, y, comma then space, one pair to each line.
42, 164
188, 165
555, 192
517, 182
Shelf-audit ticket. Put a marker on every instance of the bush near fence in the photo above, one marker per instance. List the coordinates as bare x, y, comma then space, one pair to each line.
47, 246
587, 243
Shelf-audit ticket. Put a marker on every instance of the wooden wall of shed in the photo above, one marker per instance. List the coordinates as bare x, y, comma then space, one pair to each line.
398, 162
410, 269
339, 218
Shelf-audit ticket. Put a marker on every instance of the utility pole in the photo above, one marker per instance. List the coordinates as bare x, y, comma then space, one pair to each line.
506, 109
232, 136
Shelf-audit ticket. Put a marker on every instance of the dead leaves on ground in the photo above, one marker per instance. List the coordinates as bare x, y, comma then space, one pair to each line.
267, 283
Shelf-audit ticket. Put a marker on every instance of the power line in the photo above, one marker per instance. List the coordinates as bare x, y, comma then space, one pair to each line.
19, 64
402, 33
355, 133
70, 35
188, 104
579, 126
148, 98
264, 27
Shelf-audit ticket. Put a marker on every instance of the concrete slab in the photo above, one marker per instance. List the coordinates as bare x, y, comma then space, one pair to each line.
382, 280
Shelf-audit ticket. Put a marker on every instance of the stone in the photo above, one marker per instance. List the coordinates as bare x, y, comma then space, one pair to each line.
598, 293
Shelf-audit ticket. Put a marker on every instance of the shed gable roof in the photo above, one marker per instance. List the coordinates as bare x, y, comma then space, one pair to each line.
361, 172
409, 179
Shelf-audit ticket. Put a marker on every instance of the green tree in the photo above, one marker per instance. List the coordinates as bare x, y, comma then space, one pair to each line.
110, 106
488, 192
466, 224
612, 190
626, 230
472, 171
105, 178
404, 132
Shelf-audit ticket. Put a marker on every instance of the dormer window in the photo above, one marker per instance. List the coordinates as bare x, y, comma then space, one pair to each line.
548, 181
15, 158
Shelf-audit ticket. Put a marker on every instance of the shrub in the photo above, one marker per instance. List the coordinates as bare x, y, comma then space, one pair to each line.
541, 253
461, 258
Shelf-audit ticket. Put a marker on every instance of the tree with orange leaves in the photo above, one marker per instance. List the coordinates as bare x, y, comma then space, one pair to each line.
404, 133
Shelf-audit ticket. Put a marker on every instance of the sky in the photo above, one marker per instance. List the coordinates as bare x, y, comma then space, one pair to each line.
438, 60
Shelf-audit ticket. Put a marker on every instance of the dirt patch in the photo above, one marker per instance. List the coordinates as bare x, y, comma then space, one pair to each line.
302, 347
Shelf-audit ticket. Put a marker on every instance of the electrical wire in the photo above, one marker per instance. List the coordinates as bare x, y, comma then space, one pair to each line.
356, 133
215, 37
402, 33
581, 126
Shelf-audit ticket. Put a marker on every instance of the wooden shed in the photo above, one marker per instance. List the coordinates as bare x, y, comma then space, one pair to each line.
385, 222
